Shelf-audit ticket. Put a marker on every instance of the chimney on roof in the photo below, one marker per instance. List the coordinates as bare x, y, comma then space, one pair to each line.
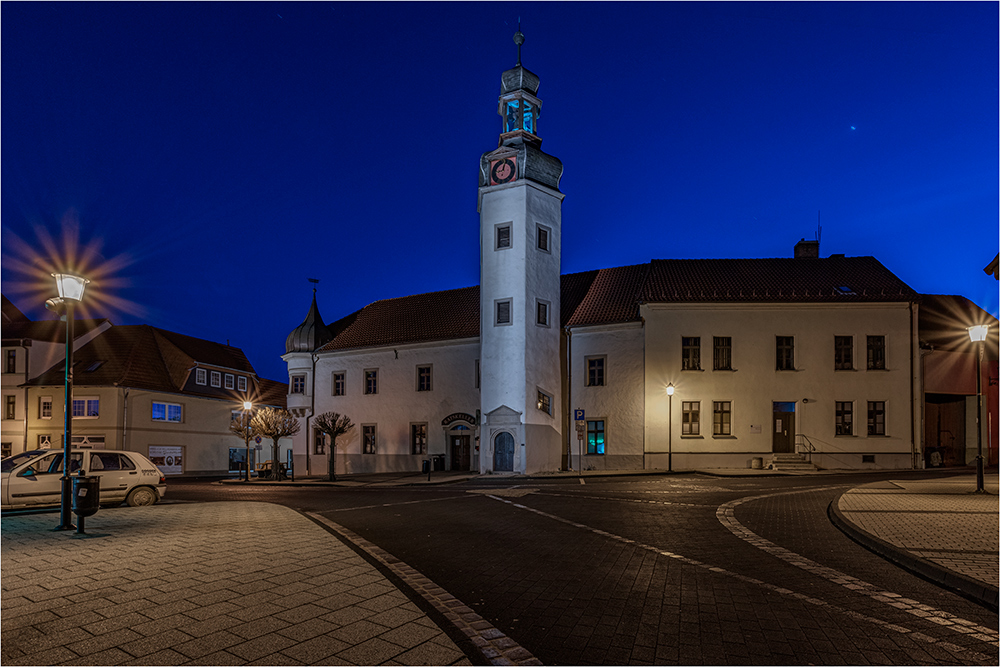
807, 249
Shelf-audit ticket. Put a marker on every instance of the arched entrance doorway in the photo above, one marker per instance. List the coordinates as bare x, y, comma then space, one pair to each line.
503, 452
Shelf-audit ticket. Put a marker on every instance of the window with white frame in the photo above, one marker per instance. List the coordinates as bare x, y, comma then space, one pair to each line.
691, 418
45, 407
230, 381
241, 383
44, 440
722, 418
216, 379
298, 384
166, 412
86, 407
200, 376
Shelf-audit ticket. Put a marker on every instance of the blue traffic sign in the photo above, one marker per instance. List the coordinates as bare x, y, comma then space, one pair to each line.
578, 414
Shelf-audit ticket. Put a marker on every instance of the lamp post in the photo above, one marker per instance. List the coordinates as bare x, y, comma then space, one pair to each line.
70, 289
978, 335
670, 427
247, 409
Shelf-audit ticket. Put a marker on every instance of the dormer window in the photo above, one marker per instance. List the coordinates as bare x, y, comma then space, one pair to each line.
845, 290
201, 376
241, 383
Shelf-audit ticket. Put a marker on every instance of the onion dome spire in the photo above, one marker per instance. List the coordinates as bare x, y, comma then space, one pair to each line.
311, 334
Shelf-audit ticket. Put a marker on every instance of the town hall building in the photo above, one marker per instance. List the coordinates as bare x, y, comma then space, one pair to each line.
801, 361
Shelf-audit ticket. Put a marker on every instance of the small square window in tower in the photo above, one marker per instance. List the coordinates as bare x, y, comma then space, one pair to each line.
502, 312
542, 313
543, 238
503, 237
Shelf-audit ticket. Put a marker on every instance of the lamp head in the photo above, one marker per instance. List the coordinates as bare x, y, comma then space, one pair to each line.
247, 405
978, 332
70, 287
670, 389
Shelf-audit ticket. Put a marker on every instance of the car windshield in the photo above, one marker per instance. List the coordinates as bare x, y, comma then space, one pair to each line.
12, 462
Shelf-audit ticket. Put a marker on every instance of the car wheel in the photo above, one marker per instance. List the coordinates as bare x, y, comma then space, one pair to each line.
141, 496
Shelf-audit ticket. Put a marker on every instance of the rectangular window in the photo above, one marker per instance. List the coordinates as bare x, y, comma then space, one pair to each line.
595, 371
229, 381
595, 436
44, 440
477, 374
691, 418
876, 353
785, 353
340, 383
6, 449
418, 438
319, 442
10, 364
45, 407
502, 237
423, 378
722, 418
502, 312
9, 407
844, 419
86, 407
241, 383
298, 384
544, 402
166, 412
543, 238
722, 353
369, 442
216, 379
690, 353
200, 376
843, 353
542, 313
371, 381
876, 417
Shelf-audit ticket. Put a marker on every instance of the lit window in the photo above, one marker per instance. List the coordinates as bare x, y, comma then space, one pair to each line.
690, 353
595, 371
298, 384
876, 353
423, 378
722, 417
843, 353
544, 402
241, 383
369, 440
45, 407
595, 436
691, 418
86, 407
722, 353
229, 381
216, 379
844, 419
339, 383
418, 438
166, 412
371, 381
876, 417
785, 353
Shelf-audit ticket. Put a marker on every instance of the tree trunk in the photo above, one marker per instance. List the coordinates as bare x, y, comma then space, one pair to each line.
275, 463
331, 460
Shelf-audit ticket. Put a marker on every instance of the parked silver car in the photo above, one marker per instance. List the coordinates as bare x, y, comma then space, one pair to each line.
32, 479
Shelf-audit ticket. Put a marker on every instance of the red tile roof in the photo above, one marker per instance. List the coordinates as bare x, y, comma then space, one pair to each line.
613, 295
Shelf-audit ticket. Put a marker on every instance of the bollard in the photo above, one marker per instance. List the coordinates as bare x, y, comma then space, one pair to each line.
86, 498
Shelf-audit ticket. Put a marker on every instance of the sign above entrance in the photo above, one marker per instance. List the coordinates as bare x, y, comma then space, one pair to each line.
458, 417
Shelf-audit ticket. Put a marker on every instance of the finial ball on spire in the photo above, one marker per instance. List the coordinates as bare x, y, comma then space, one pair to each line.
519, 37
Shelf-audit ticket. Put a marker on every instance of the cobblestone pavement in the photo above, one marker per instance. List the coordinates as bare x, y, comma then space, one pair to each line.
683, 569
206, 584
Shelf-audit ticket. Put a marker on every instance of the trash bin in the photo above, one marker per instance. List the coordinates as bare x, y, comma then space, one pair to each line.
86, 498
426, 469
757, 462
438, 462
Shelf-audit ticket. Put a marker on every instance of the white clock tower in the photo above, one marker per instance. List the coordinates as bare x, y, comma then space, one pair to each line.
520, 232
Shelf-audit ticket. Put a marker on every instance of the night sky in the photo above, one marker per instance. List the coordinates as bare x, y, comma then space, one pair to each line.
203, 161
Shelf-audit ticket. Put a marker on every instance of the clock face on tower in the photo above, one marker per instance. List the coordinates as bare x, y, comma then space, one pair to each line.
503, 170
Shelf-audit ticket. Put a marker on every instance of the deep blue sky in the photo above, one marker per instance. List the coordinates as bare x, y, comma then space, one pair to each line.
222, 154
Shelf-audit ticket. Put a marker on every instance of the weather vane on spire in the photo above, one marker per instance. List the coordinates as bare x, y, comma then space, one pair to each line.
314, 281
519, 40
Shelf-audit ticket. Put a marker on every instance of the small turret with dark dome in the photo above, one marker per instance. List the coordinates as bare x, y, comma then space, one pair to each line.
311, 334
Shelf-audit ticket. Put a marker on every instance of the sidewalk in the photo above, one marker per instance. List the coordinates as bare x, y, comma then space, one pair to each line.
206, 583
938, 528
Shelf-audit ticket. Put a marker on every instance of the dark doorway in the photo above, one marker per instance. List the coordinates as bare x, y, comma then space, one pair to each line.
783, 440
503, 452
460, 457
944, 430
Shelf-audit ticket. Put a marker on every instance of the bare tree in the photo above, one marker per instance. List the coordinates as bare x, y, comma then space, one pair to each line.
334, 425
275, 423
242, 425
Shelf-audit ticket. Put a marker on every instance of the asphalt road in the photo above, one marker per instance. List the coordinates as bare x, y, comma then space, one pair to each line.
682, 569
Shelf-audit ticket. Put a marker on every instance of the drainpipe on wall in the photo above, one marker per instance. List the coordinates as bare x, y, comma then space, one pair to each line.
312, 411
568, 409
913, 395
125, 418
26, 346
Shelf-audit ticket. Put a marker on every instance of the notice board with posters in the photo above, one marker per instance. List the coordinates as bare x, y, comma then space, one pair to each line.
170, 460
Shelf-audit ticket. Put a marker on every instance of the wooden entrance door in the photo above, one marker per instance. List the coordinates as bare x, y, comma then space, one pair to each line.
783, 439
460, 457
503, 452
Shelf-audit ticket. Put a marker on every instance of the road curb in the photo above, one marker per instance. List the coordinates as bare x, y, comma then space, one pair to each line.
969, 588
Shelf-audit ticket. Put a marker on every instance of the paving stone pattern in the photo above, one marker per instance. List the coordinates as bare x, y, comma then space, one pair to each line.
207, 584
